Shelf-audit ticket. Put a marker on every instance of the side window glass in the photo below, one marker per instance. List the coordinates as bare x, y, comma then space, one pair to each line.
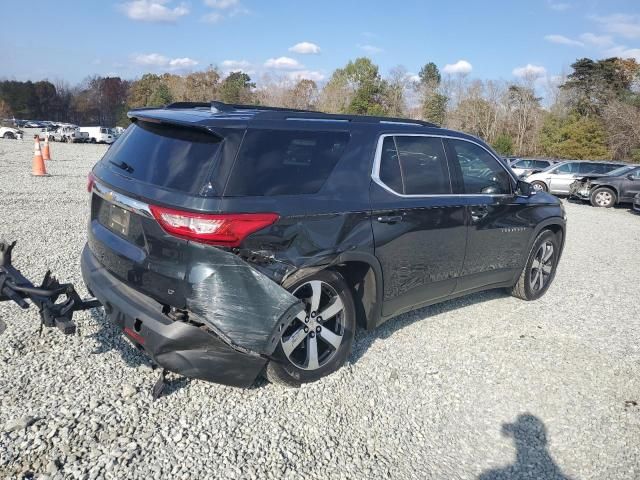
540, 164
565, 169
390, 172
423, 165
481, 172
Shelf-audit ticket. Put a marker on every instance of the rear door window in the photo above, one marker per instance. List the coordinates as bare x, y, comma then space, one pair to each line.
285, 162
415, 165
167, 156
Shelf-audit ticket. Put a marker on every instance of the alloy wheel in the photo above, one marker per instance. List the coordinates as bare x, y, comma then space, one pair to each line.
541, 267
315, 335
603, 198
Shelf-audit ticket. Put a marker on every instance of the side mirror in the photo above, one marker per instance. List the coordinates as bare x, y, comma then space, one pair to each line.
631, 176
524, 189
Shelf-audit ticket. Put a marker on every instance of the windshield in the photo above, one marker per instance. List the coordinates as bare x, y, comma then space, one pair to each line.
620, 171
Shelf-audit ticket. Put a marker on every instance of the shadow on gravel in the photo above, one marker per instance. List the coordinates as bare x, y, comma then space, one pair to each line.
109, 337
532, 457
364, 339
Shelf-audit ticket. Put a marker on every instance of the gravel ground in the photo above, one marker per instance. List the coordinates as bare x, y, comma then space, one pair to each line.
481, 387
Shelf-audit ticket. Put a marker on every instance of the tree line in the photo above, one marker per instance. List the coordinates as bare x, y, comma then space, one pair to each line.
591, 113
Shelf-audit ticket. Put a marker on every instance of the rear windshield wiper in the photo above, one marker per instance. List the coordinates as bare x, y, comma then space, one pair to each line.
123, 165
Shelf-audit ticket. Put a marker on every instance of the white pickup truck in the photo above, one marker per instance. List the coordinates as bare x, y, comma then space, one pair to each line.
69, 135
99, 134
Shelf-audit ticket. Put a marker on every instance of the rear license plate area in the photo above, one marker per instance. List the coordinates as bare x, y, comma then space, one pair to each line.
118, 220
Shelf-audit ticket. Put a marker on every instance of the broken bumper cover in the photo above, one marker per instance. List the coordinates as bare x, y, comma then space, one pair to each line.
580, 190
179, 347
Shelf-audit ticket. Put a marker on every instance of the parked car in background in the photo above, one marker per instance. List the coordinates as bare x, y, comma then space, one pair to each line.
226, 241
47, 132
609, 190
33, 124
70, 135
11, 133
99, 134
580, 188
117, 131
557, 178
525, 166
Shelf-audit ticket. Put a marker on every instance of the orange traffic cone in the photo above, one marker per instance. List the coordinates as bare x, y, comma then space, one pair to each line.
38, 168
45, 150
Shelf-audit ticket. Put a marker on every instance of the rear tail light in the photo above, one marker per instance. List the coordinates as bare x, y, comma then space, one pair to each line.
91, 180
227, 230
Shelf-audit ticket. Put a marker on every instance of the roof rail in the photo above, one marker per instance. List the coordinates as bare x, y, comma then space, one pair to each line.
189, 105
283, 113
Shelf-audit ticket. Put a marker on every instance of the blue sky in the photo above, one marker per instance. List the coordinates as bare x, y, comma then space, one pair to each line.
497, 39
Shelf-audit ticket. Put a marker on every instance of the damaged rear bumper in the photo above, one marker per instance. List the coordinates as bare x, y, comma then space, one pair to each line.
184, 348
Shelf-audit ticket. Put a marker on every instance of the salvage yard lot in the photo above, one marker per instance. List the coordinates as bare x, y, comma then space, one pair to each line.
482, 386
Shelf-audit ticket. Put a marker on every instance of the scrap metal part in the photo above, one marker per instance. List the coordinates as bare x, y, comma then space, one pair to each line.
56, 302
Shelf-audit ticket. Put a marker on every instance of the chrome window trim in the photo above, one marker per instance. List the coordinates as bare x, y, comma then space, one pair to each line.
122, 201
375, 173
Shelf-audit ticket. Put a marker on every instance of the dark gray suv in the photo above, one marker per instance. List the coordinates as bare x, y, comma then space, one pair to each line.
228, 240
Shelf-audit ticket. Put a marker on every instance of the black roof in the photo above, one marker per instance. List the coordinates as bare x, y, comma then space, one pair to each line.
225, 111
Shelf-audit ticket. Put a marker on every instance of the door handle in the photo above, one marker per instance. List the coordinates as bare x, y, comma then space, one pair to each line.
479, 212
390, 218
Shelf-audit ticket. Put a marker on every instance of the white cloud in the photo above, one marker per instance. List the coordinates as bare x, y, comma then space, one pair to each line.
414, 77
283, 63
153, 10
305, 48
558, 7
461, 66
235, 65
627, 26
530, 71
151, 59
370, 49
213, 17
306, 74
155, 60
623, 51
601, 41
182, 63
221, 4
562, 40
223, 9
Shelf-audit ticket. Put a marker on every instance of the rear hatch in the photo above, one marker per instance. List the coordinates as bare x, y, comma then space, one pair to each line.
156, 225
151, 164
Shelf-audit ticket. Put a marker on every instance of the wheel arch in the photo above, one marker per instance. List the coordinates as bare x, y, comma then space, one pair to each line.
363, 273
610, 187
555, 224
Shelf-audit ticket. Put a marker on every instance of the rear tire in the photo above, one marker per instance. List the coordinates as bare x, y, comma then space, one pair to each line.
603, 197
540, 269
306, 356
8, 136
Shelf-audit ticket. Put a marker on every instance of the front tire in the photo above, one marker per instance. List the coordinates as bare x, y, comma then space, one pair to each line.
319, 340
540, 269
539, 186
8, 136
603, 197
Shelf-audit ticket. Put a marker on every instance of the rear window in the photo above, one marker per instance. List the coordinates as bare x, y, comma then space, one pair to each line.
164, 155
285, 162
